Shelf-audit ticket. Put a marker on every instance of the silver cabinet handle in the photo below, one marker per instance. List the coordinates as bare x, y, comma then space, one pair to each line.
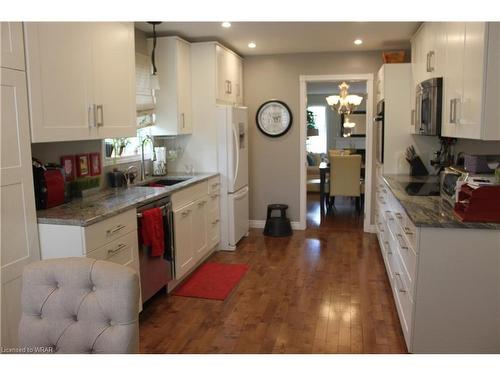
379, 224
118, 228
401, 241
427, 67
399, 216
412, 119
100, 115
215, 184
215, 222
117, 249
388, 247
230, 87
407, 231
214, 196
431, 55
183, 122
227, 86
401, 288
186, 213
91, 116
202, 203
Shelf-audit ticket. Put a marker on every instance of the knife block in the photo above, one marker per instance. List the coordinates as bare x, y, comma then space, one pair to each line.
417, 167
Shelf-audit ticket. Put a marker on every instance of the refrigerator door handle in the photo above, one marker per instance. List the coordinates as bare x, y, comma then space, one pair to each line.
237, 154
242, 194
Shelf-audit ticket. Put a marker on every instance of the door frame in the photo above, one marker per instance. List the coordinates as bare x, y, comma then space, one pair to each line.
303, 80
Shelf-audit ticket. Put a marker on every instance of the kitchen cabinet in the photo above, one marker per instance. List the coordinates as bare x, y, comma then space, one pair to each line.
196, 225
19, 235
229, 76
81, 80
12, 55
173, 100
467, 56
439, 277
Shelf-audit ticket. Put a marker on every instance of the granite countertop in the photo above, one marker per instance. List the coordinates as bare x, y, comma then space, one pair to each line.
428, 211
112, 201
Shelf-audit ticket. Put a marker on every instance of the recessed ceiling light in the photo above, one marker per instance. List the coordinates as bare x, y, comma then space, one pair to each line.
226, 25
252, 45
358, 42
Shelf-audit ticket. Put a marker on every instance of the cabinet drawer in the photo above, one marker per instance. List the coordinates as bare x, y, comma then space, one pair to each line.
214, 185
189, 194
213, 228
101, 233
408, 258
408, 229
123, 250
404, 303
214, 203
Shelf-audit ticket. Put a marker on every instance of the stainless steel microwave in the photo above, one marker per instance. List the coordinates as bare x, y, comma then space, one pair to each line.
428, 107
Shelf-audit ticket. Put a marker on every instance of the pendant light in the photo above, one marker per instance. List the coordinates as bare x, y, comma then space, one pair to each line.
155, 81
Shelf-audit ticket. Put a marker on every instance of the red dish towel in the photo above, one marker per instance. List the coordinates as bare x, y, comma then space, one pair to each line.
152, 231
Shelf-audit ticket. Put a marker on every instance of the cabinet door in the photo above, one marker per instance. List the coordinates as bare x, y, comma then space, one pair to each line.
437, 59
453, 82
59, 69
113, 60
19, 234
12, 55
184, 87
184, 239
469, 123
199, 231
223, 79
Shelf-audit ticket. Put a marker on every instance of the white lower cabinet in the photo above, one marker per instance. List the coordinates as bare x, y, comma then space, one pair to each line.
196, 224
444, 280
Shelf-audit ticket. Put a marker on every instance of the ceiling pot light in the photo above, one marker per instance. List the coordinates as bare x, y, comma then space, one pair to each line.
252, 45
358, 42
226, 25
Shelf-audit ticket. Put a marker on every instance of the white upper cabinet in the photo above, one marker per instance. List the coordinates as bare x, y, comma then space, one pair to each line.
81, 80
229, 76
467, 56
12, 45
173, 99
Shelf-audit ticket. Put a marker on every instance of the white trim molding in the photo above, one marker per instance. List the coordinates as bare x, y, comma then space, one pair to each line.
260, 224
303, 79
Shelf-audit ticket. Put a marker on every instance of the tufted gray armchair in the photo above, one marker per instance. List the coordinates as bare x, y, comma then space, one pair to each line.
79, 305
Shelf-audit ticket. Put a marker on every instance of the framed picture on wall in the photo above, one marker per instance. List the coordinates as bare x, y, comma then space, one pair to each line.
68, 166
82, 165
95, 163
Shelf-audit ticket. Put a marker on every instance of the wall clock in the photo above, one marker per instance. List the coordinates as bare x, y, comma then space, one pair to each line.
274, 118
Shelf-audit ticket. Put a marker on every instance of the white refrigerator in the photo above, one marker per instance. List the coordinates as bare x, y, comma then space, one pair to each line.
232, 150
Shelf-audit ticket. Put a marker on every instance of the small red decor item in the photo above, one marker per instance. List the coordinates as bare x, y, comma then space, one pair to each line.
213, 281
95, 163
68, 166
82, 165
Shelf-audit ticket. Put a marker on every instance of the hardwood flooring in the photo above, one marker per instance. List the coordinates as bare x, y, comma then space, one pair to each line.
323, 290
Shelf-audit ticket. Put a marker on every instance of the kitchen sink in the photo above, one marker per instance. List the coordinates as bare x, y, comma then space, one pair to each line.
169, 181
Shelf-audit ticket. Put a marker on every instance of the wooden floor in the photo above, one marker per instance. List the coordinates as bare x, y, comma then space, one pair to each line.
323, 290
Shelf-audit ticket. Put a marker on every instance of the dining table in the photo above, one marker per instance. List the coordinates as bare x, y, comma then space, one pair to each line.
324, 169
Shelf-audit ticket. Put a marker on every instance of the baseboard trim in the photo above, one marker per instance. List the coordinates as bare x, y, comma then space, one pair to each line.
260, 224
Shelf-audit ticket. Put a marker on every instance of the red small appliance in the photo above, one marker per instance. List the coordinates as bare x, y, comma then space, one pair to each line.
49, 185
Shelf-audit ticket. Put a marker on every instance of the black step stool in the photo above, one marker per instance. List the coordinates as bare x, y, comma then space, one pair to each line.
277, 226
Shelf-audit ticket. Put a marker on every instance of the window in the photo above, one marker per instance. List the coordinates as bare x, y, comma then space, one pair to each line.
124, 150
317, 144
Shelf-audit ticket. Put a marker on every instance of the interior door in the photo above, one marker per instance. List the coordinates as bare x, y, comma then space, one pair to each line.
113, 62
59, 70
19, 230
12, 45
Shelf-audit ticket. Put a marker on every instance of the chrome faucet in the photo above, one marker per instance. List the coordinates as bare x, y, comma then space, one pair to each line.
129, 174
143, 166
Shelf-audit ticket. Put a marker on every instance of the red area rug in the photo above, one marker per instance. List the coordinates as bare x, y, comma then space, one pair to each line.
213, 281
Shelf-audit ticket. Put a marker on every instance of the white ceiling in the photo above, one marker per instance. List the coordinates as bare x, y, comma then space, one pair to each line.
293, 37
330, 88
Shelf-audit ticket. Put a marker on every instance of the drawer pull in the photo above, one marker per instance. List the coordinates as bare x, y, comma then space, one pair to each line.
185, 213
215, 184
399, 216
401, 289
202, 203
214, 196
388, 247
401, 241
116, 250
116, 229
389, 215
215, 222
408, 231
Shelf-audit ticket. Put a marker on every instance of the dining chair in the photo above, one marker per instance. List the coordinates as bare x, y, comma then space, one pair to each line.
340, 151
345, 171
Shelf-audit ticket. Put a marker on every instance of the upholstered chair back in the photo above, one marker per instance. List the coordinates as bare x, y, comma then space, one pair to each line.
79, 305
345, 171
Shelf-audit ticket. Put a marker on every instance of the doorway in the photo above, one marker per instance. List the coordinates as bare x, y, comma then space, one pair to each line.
323, 129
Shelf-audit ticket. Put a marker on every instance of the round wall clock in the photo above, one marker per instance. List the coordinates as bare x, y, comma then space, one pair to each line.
274, 118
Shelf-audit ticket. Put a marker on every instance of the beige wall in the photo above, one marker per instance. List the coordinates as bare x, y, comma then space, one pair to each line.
274, 162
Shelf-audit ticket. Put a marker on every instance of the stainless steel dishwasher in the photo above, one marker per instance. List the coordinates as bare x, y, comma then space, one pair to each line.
156, 272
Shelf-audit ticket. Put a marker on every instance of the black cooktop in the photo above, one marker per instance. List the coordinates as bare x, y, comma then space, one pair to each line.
421, 188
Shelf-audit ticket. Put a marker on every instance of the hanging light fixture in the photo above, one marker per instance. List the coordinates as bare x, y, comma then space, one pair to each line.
344, 103
155, 81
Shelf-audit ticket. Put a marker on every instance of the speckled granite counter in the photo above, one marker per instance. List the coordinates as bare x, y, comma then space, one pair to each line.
110, 202
428, 211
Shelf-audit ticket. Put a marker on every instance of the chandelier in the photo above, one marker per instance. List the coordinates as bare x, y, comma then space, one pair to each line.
344, 103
